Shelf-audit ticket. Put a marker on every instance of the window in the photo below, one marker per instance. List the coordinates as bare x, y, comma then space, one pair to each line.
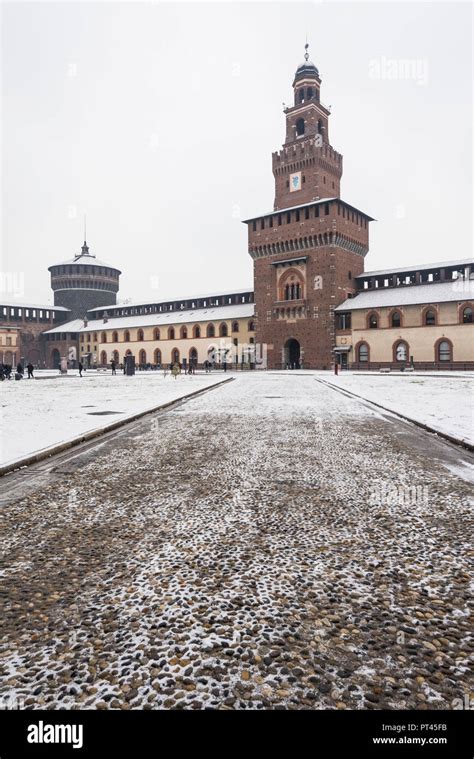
103, 337
197, 331
467, 315
211, 330
142, 357
223, 330
396, 319
156, 336
183, 333
175, 356
235, 326
444, 351
344, 321
401, 352
363, 353
300, 127
171, 333
251, 326
373, 321
140, 335
126, 336
430, 318
157, 356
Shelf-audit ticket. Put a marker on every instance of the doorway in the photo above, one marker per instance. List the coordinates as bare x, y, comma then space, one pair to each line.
292, 354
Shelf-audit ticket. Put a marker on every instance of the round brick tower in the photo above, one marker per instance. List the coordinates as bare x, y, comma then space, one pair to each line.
84, 283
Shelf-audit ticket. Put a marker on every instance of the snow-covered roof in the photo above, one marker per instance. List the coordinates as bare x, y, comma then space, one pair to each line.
420, 267
405, 295
276, 211
170, 318
88, 260
42, 307
177, 299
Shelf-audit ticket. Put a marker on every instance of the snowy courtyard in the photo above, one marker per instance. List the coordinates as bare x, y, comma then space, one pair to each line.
269, 544
37, 415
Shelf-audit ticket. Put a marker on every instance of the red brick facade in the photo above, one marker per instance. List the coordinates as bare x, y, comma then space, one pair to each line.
307, 252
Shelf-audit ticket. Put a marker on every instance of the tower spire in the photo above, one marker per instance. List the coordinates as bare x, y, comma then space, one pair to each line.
306, 55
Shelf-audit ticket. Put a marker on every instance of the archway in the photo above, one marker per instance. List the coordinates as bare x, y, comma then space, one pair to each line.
292, 354
56, 358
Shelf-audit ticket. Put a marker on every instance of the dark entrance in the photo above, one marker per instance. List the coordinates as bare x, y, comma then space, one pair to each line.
56, 356
292, 354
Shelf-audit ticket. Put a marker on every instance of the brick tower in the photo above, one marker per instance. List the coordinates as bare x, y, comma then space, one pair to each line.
308, 250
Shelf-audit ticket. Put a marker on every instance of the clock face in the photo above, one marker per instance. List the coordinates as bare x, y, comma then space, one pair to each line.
295, 181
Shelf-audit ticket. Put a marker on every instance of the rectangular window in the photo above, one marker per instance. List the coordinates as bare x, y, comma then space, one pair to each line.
288, 217
262, 223
326, 209
297, 215
279, 219
317, 211
306, 213
254, 226
271, 221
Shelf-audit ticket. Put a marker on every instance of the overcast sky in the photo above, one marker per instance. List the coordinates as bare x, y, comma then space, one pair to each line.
159, 119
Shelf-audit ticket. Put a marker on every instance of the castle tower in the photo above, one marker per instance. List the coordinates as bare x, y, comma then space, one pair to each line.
83, 283
308, 250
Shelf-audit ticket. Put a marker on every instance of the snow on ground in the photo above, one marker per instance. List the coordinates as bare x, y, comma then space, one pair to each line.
235, 553
444, 403
39, 414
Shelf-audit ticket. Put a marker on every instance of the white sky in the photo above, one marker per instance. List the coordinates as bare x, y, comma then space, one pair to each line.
159, 119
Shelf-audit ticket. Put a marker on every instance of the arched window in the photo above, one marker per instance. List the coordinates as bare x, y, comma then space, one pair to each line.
115, 356
196, 330
95, 337
373, 321
103, 337
157, 356
467, 315
175, 356
142, 357
430, 318
211, 330
309, 93
126, 336
235, 326
444, 350
251, 326
103, 358
400, 352
396, 319
301, 95
223, 330
171, 333
140, 334
193, 357
156, 335
300, 127
363, 353
183, 333
115, 337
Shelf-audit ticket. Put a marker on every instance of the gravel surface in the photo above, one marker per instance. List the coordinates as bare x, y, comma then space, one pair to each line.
241, 552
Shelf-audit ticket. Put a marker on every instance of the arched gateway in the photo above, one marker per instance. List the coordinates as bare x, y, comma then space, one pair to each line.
292, 354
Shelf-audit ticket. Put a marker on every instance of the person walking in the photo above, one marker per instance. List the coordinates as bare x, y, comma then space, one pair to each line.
80, 367
112, 364
19, 368
30, 368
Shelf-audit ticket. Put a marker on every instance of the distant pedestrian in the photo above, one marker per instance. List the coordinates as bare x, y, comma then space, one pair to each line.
30, 368
80, 367
112, 364
176, 370
19, 368
224, 365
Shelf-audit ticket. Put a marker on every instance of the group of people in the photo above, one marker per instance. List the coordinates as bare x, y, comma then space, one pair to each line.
6, 371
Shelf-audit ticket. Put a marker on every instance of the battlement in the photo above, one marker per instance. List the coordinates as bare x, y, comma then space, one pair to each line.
304, 148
